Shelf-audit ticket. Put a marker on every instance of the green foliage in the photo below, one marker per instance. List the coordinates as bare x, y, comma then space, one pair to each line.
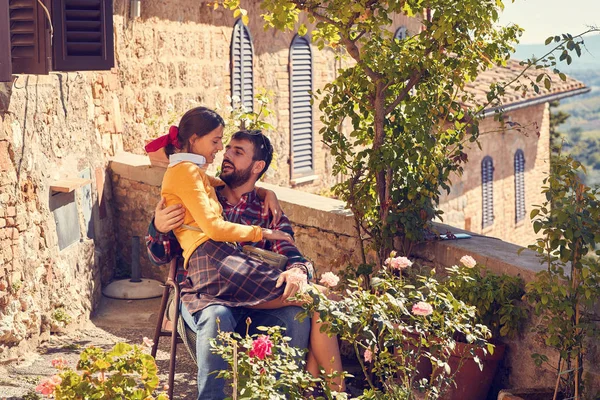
60, 315
497, 298
564, 294
279, 375
404, 100
125, 372
391, 338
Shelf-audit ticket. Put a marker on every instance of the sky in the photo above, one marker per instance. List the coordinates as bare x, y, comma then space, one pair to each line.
543, 18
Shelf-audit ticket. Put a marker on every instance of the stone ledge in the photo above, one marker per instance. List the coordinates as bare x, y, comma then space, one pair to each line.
330, 215
499, 256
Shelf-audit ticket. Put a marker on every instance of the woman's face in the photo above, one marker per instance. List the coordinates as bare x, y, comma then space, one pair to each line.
208, 145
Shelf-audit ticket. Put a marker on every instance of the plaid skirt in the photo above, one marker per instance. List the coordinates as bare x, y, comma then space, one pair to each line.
221, 274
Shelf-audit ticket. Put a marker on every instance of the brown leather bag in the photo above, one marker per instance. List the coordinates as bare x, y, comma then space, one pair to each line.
273, 259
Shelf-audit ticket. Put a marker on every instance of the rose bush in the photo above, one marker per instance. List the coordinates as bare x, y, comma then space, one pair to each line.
124, 372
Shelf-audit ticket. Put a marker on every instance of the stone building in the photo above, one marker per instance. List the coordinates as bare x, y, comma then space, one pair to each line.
503, 179
67, 109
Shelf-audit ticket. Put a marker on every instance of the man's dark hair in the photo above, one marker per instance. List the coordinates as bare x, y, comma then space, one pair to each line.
263, 150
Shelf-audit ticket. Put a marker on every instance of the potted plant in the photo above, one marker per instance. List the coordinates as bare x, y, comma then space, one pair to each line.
497, 299
394, 324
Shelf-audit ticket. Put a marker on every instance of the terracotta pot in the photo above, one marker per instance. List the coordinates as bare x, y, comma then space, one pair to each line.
423, 364
158, 158
526, 394
471, 382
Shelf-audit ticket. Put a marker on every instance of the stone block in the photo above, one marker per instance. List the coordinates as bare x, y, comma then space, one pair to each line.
5, 159
11, 211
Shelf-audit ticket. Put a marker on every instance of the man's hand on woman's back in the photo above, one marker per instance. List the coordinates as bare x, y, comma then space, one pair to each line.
169, 218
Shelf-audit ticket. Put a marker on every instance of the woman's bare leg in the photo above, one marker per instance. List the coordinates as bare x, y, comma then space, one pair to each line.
323, 351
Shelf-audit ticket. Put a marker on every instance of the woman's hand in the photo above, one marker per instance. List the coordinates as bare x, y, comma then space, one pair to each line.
270, 200
167, 219
270, 234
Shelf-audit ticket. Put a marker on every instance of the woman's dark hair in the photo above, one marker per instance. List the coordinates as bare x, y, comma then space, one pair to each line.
199, 121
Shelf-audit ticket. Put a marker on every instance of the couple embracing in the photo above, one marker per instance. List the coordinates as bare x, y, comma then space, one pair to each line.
204, 216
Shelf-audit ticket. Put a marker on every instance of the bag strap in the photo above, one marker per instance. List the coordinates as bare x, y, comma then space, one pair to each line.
191, 228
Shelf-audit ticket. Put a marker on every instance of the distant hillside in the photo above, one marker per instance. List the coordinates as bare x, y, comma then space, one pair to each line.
582, 129
590, 57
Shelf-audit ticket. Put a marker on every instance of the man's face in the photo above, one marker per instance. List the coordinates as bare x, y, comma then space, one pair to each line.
236, 168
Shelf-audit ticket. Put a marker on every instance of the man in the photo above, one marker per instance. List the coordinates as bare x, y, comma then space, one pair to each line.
247, 157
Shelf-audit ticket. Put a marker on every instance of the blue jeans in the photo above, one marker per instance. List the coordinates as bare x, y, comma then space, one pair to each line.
234, 319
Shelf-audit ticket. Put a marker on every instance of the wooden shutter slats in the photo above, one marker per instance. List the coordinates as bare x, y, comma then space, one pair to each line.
519, 164
242, 79
487, 191
301, 107
29, 38
5, 44
83, 35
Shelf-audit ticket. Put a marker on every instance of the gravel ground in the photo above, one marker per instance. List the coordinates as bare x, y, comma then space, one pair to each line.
116, 321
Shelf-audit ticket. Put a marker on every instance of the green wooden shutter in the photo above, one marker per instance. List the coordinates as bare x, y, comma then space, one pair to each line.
83, 35
242, 79
301, 116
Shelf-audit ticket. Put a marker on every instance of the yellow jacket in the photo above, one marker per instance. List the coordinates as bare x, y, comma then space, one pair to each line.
186, 183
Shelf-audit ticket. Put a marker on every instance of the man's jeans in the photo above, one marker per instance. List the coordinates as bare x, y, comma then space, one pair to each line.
234, 319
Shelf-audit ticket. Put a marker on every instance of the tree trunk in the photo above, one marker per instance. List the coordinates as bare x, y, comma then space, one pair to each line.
380, 178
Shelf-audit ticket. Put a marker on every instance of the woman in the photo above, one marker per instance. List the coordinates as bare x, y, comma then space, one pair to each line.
218, 272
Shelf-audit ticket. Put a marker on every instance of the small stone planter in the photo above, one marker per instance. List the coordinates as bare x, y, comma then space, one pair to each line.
526, 394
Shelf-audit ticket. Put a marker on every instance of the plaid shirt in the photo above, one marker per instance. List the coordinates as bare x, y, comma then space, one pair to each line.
249, 210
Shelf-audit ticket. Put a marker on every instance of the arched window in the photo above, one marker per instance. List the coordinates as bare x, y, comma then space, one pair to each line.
400, 33
242, 82
301, 118
487, 190
519, 186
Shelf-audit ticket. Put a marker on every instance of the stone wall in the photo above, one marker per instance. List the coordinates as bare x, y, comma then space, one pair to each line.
463, 206
53, 127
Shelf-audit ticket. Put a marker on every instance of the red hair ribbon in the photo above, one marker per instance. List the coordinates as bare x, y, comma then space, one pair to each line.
163, 141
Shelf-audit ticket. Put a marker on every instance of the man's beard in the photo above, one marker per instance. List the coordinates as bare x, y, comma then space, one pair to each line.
236, 178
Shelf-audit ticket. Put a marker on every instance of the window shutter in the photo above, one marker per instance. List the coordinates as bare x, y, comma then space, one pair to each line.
519, 186
29, 37
301, 108
487, 189
242, 80
400, 33
5, 64
83, 35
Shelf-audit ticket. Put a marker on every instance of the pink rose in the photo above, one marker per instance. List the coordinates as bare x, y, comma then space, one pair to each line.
422, 308
369, 354
398, 263
60, 363
261, 347
148, 342
329, 279
47, 386
468, 261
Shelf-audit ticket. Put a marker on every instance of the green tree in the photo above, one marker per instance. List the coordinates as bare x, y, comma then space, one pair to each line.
405, 100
